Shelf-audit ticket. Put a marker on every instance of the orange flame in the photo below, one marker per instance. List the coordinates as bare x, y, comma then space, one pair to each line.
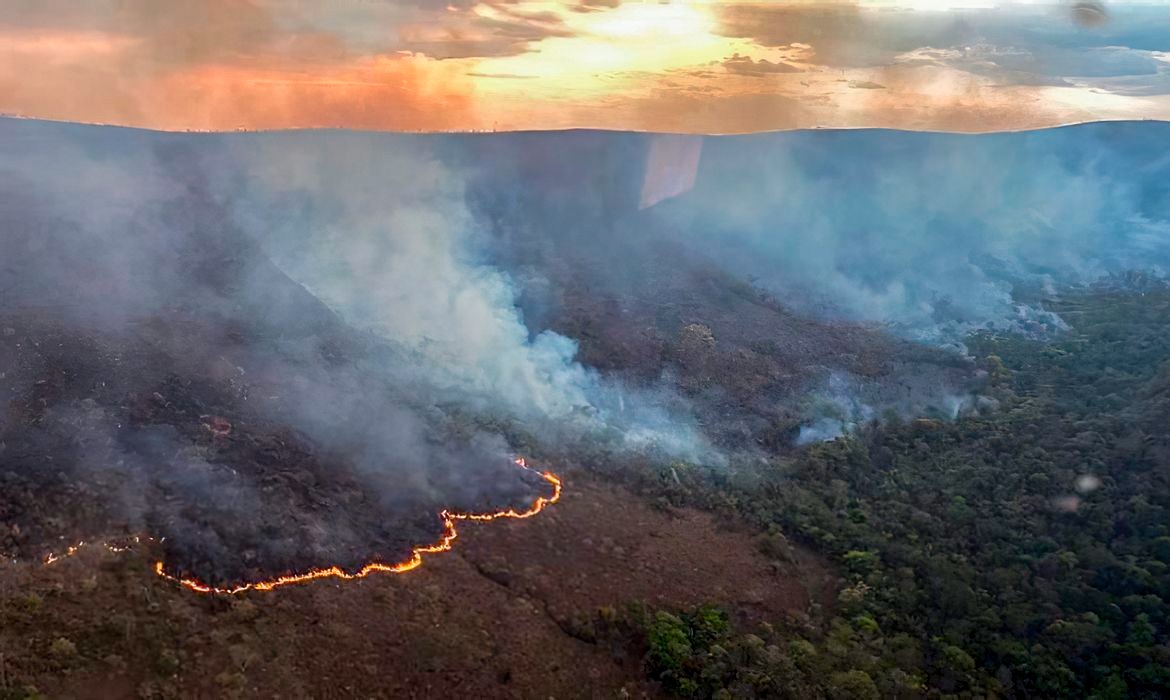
416, 557
443, 545
73, 549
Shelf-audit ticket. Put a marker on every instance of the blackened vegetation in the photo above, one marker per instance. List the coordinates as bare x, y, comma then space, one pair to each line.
107, 437
1020, 550
1021, 553
210, 402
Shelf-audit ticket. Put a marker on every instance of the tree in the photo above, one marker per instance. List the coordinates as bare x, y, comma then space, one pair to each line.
852, 685
670, 645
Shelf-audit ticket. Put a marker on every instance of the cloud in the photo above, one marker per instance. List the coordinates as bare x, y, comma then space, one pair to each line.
489, 30
197, 31
1041, 65
501, 76
1014, 46
114, 78
595, 5
381, 92
841, 34
744, 65
226, 64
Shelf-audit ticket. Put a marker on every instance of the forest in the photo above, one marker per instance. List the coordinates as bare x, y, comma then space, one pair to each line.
1020, 552
848, 469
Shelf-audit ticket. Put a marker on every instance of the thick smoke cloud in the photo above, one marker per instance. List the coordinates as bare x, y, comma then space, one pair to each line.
935, 235
930, 236
373, 226
393, 314
381, 233
291, 346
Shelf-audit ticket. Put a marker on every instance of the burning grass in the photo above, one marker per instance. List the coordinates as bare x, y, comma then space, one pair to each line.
444, 544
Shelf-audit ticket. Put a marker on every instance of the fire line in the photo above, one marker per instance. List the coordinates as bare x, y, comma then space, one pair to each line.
444, 544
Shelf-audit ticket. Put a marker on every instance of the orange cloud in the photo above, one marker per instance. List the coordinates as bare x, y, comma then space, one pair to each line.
686, 66
383, 92
77, 75
66, 45
96, 82
220, 65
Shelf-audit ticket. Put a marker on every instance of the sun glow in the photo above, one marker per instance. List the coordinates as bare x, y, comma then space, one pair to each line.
609, 48
636, 20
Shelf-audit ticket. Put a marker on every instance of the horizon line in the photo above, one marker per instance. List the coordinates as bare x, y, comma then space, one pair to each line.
569, 129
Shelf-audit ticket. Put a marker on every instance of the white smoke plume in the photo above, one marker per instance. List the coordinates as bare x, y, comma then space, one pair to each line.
377, 227
373, 225
933, 234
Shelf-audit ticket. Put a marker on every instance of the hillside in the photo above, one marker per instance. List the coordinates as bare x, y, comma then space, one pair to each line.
834, 416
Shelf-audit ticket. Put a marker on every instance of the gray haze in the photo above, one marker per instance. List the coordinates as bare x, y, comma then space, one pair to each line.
933, 235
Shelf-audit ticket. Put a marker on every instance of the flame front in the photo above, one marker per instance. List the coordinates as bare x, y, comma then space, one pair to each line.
416, 557
413, 562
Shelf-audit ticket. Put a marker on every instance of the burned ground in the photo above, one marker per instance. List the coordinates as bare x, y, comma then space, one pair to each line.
509, 613
104, 437
163, 376
209, 401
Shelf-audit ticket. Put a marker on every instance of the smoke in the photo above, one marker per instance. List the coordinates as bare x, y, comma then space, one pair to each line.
274, 351
307, 326
372, 225
934, 235
846, 403
382, 235
327, 334
930, 236
835, 411
377, 231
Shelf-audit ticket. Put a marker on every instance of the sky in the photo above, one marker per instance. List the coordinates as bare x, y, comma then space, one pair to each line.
687, 66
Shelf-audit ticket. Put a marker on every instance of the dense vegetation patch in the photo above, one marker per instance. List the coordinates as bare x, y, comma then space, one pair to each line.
1021, 552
